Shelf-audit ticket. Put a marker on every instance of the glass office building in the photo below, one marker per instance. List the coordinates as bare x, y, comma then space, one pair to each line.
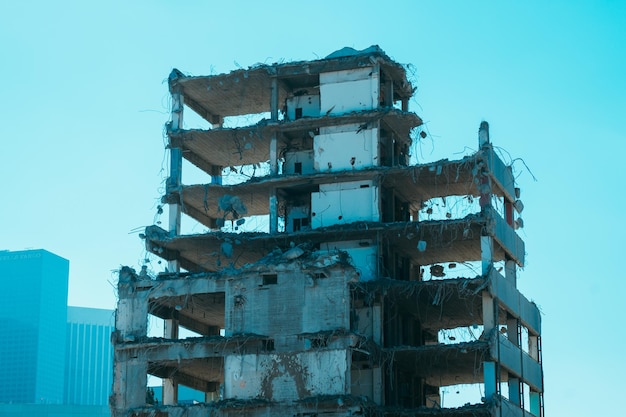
33, 316
89, 356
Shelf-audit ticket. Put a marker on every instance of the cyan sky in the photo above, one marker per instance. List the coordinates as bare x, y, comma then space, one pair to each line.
84, 102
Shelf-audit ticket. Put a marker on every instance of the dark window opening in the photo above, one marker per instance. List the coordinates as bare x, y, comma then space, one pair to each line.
298, 113
297, 167
270, 279
268, 345
300, 224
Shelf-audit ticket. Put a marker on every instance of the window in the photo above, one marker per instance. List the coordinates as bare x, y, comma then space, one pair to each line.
270, 279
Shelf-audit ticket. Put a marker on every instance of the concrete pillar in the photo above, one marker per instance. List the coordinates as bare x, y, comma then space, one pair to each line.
483, 134
174, 180
216, 175
510, 271
130, 381
534, 396
490, 322
491, 382
131, 317
274, 156
513, 334
131, 323
170, 330
486, 254
274, 100
490, 318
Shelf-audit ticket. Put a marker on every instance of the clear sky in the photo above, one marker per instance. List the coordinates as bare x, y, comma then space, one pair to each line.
84, 101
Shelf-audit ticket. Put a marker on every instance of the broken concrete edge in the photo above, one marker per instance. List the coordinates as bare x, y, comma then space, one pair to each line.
239, 340
301, 255
267, 126
476, 164
366, 57
172, 194
157, 234
148, 341
407, 289
157, 239
357, 404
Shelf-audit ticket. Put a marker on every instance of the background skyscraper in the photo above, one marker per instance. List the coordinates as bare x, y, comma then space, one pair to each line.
89, 357
33, 315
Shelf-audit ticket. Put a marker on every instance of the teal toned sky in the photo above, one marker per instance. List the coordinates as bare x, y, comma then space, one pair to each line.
84, 103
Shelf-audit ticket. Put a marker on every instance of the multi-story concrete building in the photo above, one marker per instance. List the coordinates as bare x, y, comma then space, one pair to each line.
89, 356
342, 306
33, 312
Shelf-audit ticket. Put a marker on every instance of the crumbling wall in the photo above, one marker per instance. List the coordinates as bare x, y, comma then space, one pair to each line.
288, 302
287, 376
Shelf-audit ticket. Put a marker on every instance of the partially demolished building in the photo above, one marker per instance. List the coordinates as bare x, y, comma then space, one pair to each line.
342, 306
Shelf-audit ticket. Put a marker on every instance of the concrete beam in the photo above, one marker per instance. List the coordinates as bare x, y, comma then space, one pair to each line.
506, 236
155, 349
500, 173
514, 302
517, 362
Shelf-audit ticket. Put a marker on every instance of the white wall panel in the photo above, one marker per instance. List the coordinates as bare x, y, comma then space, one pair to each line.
351, 148
344, 203
347, 91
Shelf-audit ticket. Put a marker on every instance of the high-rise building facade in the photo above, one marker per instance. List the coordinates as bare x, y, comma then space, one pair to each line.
89, 356
354, 299
33, 313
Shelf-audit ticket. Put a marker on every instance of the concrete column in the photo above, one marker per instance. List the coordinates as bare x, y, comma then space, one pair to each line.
490, 324
130, 380
491, 382
175, 178
216, 175
274, 100
483, 134
405, 104
490, 318
513, 334
490, 311
170, 330
534, 396
274, 156
486, 254
131, 323
510, 271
